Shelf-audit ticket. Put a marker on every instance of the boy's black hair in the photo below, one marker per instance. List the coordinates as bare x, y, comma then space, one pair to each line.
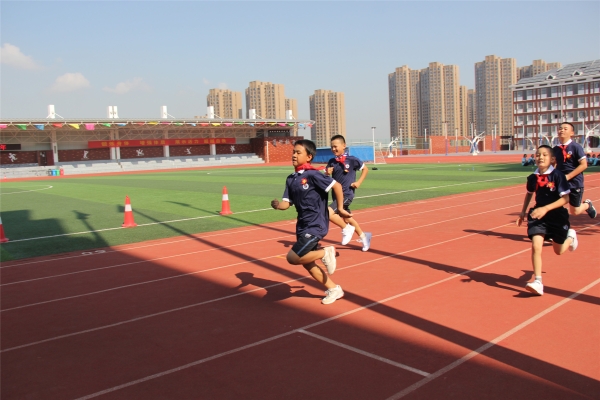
338, 137
568, 123
308, 145
545, 146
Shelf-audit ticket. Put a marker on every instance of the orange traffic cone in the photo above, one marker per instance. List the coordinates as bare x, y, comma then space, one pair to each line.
128, 222
225, 210
3, 238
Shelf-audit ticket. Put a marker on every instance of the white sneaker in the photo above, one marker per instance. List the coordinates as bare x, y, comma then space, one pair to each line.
573, 235
366, 241
347, 233
535, 287
329, 259
332, 295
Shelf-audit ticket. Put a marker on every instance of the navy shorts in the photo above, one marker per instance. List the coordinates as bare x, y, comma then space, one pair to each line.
305, 244
347, 203
555, 225
575, 197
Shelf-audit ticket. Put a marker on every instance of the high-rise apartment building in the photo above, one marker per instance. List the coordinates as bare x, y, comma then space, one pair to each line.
471, 109
537, 67
268, 99
493, 79
292, 105
426, 100
327, 109
464, 111
227, 104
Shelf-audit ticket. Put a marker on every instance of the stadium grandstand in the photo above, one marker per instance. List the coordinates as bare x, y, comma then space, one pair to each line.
47, 146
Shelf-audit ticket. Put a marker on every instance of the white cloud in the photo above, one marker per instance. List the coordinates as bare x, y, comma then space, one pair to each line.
11, 55
222, 85
205, 81
69, 82
128, 86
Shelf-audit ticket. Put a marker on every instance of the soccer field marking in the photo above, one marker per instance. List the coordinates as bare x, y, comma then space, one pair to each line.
265, 288
364, 353
272, 338
490, 344
265, 240
241, 212
25, 191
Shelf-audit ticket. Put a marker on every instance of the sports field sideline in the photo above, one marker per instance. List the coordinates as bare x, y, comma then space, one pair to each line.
194, 305
42, 216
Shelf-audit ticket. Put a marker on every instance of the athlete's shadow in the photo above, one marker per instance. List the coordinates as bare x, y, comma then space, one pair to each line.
510, 236
495, 280
276, 291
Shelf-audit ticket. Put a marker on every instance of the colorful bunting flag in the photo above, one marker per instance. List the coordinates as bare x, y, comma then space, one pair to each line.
239, 123
58, 125
153, 123
251, 124
39, 126
179, 123
21, 126
107, 125
217, 124
291, 124
121, 124
3, 126
191, 123
76, 126
301, 125
280, 124
90, 127
204, 124
228, 124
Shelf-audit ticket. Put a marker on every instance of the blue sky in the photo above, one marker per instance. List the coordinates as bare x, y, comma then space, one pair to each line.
139, 55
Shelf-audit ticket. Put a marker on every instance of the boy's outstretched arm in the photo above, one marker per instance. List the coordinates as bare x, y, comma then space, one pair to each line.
521, 218
363, 174
280, 205
338, 193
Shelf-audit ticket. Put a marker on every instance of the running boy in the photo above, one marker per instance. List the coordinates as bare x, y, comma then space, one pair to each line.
571, 161
307, 189
548, 219
343, 169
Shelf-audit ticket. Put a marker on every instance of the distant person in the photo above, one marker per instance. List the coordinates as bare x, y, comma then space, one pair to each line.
307, 189
548, 219
531, 160
524, 161
343, 169
594, 159
570, 160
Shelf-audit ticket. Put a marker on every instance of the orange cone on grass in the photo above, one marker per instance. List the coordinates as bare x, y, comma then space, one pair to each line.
225, 210
3, 239
128, 222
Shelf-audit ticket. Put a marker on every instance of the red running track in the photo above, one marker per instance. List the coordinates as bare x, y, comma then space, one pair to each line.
436, 309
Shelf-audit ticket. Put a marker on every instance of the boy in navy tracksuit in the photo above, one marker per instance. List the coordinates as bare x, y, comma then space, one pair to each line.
307, 189
343, 169
571, 161
548, 219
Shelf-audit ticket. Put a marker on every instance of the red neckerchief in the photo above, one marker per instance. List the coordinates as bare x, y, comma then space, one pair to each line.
563, 147
542, 181
342, 160
308, 166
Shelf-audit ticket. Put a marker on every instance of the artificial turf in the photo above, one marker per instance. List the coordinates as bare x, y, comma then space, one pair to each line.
33, 209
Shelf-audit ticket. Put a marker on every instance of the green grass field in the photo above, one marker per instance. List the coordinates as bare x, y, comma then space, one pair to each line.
34, 209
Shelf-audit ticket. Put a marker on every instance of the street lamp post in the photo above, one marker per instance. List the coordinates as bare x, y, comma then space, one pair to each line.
373, 133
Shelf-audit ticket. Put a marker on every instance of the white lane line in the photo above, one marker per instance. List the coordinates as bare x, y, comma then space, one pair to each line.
257, 241
326, 320
364, 353
244, 212
274, 285
491, 343
25, 191
231, 232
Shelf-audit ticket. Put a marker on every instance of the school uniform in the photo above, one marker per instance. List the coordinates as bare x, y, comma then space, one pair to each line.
568, 157
308, 191
548, 188
344, 172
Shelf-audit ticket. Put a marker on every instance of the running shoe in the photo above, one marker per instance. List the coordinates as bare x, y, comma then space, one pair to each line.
367, 241
535, 287
591, 211
329, 259
347, 233
573, 235
332, 295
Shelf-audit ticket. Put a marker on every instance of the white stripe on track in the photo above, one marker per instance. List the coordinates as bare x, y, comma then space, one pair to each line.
490, 344
265, 287
272, 338
258, 241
